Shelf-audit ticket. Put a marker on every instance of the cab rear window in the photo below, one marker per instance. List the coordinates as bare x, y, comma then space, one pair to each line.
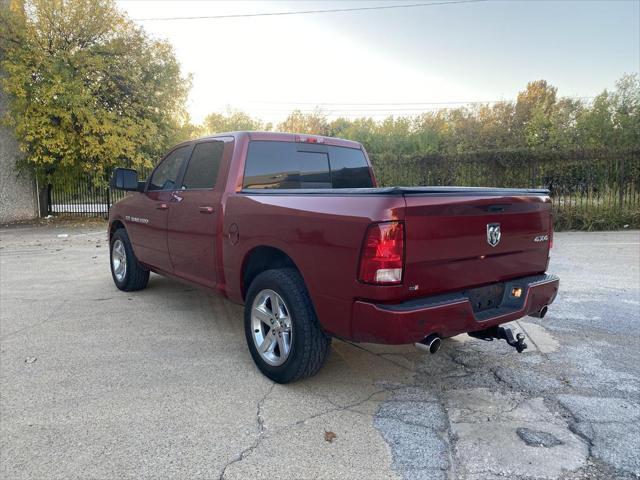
291, 165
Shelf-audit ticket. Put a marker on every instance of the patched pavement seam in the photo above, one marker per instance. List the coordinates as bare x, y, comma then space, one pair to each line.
455, 463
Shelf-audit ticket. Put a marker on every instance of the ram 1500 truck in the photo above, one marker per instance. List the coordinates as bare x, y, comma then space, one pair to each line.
295, 228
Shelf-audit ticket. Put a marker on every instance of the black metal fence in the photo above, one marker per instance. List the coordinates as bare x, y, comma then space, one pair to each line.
83, 196
590, 190
88, 196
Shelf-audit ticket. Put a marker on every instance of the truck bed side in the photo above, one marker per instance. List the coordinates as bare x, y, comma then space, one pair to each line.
322, 234
446, 247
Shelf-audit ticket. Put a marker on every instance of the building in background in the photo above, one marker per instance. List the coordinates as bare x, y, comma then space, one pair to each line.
18, 193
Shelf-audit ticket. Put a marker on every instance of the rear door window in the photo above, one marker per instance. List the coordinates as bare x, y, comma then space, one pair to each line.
202, 170
291, 165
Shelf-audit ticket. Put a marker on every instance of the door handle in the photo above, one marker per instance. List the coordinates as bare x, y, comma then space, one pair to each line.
162, 206
206, 209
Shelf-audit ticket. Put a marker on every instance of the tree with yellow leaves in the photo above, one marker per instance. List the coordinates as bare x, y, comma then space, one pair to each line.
88, 89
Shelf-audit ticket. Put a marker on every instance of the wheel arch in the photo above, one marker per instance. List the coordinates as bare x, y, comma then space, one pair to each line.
260, 259
115, 225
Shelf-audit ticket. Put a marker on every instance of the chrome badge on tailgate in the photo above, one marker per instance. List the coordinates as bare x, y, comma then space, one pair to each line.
493, 234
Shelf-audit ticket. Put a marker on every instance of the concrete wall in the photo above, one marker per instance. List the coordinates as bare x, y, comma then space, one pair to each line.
18, 197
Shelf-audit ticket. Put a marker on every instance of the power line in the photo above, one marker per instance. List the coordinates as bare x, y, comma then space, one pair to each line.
374, 103
305, 12
402, 105
285, 107
347, 110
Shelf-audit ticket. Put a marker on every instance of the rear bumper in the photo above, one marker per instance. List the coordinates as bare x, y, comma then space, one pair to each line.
448, 315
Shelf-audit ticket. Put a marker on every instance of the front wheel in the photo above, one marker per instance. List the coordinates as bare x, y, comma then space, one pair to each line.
282, 330
128, 274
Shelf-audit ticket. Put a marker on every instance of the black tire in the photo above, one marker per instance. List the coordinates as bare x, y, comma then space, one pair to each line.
310, 346
136, 276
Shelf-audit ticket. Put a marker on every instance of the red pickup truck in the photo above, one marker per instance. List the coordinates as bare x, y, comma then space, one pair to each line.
294, 227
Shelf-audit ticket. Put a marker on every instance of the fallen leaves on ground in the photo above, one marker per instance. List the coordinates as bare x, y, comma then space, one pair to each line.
329, 436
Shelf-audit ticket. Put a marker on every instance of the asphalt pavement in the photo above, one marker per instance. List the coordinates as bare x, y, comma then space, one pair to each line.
100, 384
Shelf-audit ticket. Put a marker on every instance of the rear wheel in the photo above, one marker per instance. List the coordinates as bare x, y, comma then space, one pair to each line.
281, 327
128, 274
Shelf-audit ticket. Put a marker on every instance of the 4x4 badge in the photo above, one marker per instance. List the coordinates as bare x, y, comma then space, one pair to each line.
493, 234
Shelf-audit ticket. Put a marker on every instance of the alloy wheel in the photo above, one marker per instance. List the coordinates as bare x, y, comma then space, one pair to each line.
271, 326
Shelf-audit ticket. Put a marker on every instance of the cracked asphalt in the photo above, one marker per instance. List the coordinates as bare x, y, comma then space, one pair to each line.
97, 383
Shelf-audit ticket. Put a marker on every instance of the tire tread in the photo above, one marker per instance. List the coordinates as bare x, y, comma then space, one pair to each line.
137, 276
316, 345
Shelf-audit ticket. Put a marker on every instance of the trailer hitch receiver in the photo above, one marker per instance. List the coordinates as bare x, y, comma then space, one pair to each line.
501, 333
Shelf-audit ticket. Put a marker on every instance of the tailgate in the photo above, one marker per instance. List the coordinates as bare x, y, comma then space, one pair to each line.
464, 239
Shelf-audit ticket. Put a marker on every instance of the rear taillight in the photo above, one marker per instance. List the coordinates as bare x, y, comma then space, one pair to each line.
382, 258
551, 233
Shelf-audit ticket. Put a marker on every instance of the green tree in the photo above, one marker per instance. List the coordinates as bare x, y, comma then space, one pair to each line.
562, 135
594, 126
495, 126
626, 111
363, 130
88, 88
231, 121
613, 120
312, 123
533, 112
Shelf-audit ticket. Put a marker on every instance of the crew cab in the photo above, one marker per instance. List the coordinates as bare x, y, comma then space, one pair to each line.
295, 228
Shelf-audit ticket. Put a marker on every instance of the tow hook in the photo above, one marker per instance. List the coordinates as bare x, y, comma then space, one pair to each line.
501, 333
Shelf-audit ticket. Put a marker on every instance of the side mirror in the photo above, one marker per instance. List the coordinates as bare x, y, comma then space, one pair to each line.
125, 179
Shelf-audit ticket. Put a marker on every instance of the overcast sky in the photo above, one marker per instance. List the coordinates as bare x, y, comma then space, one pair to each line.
462, 52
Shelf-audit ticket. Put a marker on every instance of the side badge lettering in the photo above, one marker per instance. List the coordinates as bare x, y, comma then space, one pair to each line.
129, 218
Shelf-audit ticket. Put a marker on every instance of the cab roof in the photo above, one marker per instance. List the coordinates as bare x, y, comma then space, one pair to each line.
284, 137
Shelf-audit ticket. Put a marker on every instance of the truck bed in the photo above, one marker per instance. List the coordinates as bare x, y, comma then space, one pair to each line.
446, 247
477, 191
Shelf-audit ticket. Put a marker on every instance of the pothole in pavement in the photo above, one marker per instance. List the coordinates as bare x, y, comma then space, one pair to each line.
479, 410
485, 425
537, 438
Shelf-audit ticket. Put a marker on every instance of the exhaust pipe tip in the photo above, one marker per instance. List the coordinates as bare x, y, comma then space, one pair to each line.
540, 313
435, 345
430, 344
